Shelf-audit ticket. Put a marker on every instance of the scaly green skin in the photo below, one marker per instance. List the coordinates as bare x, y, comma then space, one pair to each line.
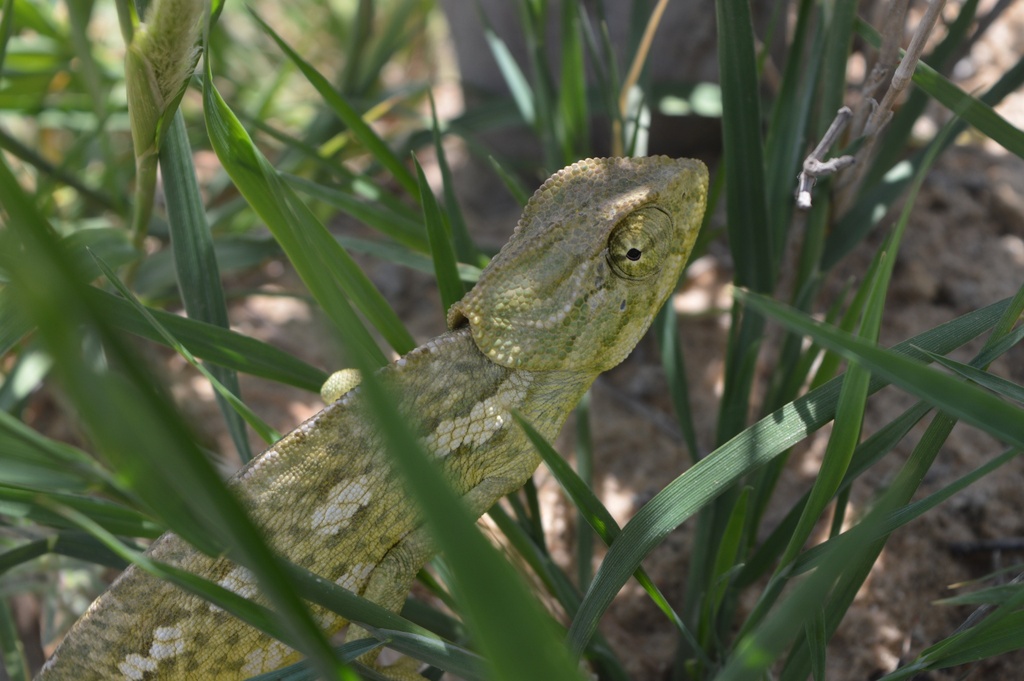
598, 250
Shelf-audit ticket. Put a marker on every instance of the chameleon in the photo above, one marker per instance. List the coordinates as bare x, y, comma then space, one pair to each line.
599, 248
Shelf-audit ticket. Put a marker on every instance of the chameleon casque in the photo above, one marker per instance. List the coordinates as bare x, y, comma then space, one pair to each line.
599, 248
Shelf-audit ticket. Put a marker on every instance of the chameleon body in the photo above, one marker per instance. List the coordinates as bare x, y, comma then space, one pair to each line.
599, 248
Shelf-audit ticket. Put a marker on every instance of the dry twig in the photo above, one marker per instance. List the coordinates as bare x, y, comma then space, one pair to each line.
815, 166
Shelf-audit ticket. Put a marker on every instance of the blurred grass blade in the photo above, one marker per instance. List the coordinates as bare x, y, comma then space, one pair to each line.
134, 425
448, 281
572, 119
585, 471
266, 433
760, 443
12, 650
377, 148
512, 183
319, 260
198, 274
453, 659
400, 255
403, 230
32, 460
211, 343
115, 518
666, 330
73, 544
515, 80
256, 615
465, 250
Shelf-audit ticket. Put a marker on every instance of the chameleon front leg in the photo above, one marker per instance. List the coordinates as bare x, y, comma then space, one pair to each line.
392, 578
388, 584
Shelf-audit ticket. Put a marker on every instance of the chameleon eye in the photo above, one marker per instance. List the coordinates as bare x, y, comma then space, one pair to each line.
639, 243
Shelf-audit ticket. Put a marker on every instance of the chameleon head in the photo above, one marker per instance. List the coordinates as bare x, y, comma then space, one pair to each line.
599, 248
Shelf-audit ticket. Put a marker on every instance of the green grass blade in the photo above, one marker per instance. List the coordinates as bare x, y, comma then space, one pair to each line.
302, 671
400, 255
572, 114
12, 650
755, 653
962, 400
784, 143
502, 616
211, 343
115, 518
453, 659
349, 116
465, 250
256, 615
32, 460
402, 229
1000, 632
512, 183
600, 520
231, 401
866, 455
743, 154
585, 471
448, 281
518, 85
902, 516
760, 443
133, 425
73, 544
666, 330
198, 275
998, 385
319, 260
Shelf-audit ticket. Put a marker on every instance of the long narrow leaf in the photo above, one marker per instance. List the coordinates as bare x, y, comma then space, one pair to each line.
441, 247
317, 257
960, 399
755, 446
363, 132
198, 274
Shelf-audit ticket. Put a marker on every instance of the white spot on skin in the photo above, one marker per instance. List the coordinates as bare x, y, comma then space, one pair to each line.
355, 577
266, 659
135, 666
342, 503
239, 581
167, 642
484, 420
